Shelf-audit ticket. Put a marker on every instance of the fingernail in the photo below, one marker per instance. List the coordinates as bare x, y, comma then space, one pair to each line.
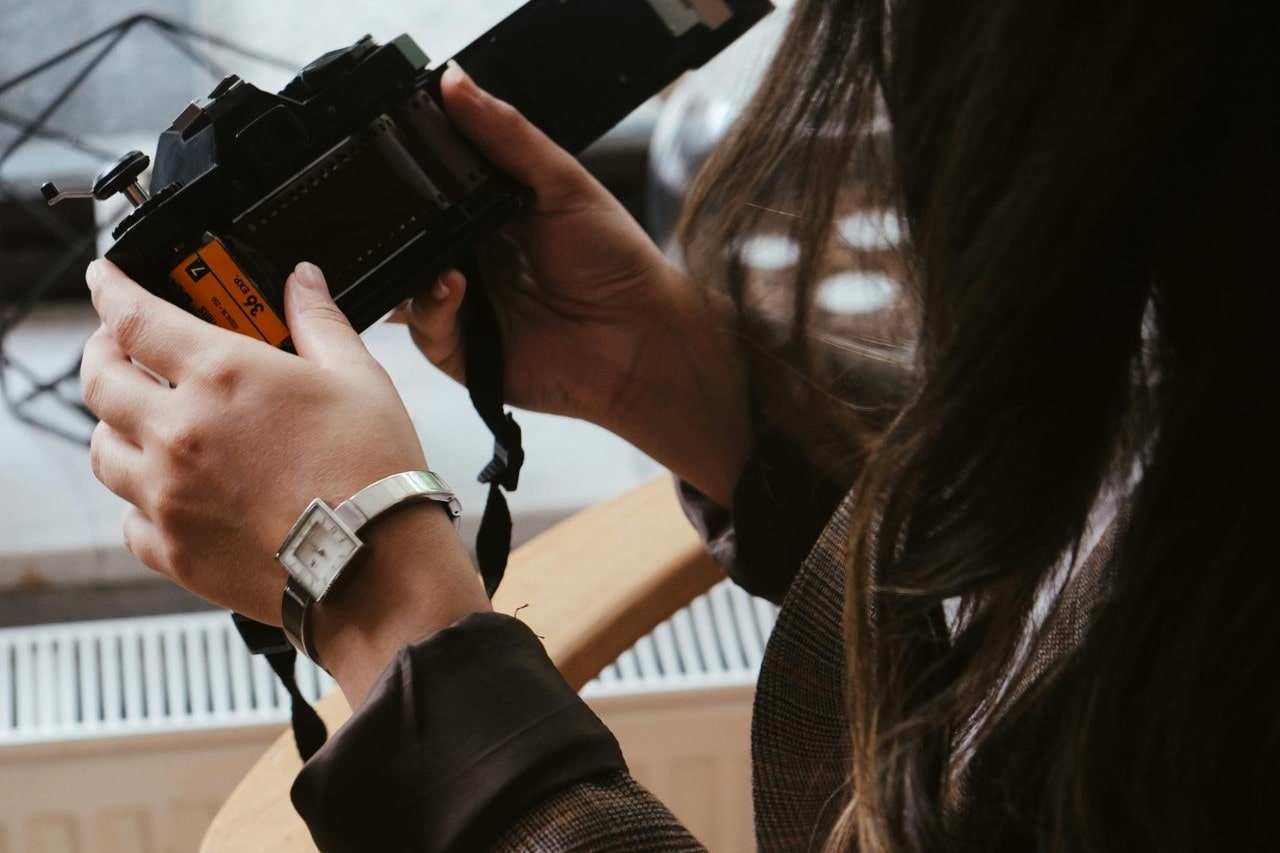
95, 273
454, 71
440, 292
309, 276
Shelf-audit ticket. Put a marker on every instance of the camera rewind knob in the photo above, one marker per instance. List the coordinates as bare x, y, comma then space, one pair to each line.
120, 177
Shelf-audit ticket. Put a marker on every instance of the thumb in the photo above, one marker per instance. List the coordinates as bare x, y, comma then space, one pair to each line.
511, 141
320, 331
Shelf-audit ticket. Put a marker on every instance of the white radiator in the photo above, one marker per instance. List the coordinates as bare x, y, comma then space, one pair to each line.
126, 735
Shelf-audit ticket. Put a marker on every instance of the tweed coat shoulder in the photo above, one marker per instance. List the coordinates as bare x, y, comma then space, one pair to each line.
799, 741
800, 744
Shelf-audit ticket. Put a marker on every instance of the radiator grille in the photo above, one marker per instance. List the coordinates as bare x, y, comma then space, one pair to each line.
177, 673
144, 675
717, 641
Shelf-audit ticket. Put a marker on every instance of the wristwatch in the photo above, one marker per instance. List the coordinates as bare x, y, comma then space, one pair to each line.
324, 543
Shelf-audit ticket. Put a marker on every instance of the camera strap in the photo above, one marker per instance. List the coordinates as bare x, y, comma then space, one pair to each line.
309, 732
486, 381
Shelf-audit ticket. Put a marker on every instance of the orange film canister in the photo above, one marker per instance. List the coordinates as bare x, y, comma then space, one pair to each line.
220, 291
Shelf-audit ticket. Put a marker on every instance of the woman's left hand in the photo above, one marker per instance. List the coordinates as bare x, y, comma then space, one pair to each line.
219, 466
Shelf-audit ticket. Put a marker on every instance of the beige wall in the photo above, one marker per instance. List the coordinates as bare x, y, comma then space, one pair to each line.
157, 794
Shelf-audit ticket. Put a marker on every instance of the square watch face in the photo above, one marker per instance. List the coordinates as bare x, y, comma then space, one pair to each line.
318, 550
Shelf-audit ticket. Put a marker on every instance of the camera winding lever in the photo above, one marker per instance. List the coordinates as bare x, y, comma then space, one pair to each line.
120, 177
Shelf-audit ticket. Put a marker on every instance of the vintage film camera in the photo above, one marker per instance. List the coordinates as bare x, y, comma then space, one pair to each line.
355, 167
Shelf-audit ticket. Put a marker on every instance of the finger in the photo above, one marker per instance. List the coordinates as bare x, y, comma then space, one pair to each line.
512, 142
438, 291
143, 540
157, 333
256, 596
321, 332
117, 463
114, 389
400, 314
435, 326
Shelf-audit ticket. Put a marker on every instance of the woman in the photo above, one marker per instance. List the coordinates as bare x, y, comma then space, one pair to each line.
1040, 617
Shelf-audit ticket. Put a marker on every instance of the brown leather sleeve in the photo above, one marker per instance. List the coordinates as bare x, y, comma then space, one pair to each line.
464, 733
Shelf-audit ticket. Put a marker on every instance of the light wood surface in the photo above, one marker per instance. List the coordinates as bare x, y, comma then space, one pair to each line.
590, 587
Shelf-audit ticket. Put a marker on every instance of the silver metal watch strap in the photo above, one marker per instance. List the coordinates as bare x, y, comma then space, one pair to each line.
295, 613
406, 487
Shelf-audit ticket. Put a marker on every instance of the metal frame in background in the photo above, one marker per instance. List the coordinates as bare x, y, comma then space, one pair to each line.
189, 42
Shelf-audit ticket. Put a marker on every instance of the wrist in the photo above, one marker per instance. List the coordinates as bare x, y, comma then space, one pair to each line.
686, 401
416, 579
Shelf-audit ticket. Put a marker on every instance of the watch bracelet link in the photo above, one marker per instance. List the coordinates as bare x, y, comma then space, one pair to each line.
295, 614
302, 592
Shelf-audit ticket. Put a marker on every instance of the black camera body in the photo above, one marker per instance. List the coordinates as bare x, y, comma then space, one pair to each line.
354, 165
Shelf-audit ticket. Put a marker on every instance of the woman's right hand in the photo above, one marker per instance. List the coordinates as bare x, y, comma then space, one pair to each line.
596, 323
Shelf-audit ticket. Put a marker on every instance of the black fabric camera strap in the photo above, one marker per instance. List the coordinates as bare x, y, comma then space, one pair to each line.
309, 732
486, 381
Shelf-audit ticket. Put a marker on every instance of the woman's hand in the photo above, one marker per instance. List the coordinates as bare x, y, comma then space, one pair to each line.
596, 324
220, 465
579, 289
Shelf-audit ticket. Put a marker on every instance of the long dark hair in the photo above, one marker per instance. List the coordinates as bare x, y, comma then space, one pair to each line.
1088, 190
